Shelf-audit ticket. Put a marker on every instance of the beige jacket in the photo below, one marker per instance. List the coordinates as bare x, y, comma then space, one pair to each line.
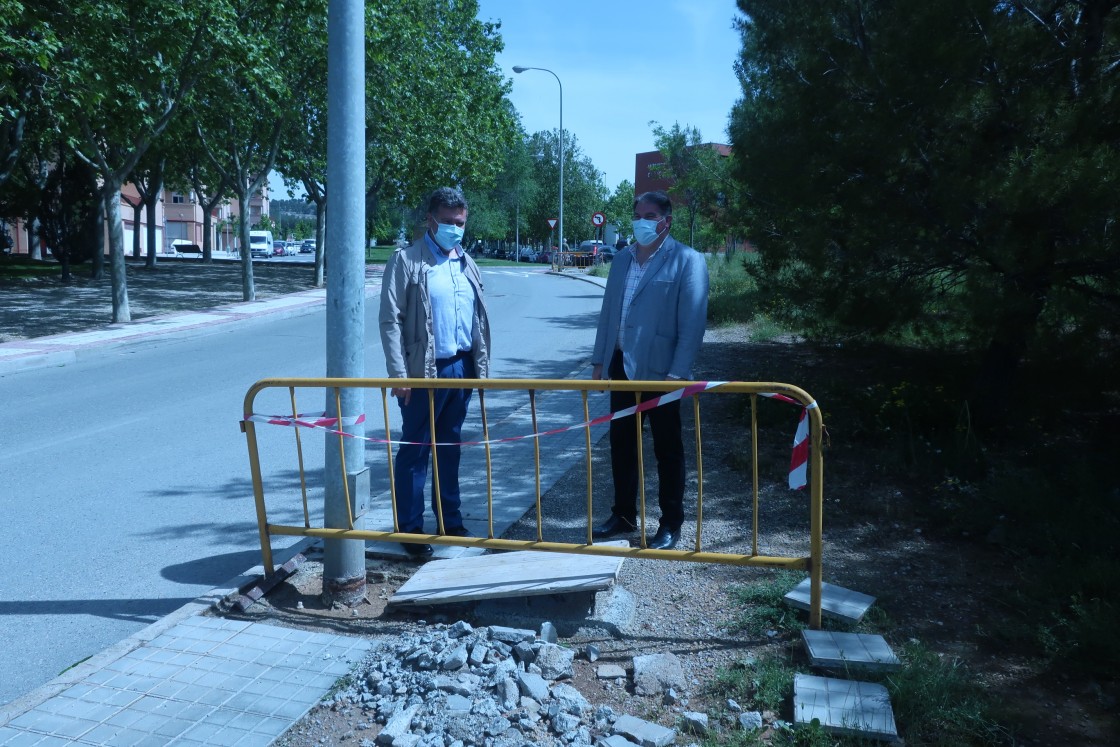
406, 316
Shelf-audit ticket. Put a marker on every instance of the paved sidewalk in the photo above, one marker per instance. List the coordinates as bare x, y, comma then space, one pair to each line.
190, 678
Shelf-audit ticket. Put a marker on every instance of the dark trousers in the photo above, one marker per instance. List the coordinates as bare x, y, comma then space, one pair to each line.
411, 463
665, 426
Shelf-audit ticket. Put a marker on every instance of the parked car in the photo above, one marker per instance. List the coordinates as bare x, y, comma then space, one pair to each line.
588, 254
307, 247
528, 254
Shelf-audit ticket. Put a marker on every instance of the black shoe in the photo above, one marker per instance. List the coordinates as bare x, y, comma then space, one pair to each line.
459, 532
612, 526
416, 550
665, 539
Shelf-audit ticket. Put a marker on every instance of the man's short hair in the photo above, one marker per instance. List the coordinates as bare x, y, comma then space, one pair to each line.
658, 198
448, 197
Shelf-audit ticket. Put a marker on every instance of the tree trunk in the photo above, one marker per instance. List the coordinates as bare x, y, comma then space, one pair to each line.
118, 273
97, 262
248, 293
320, 239
207, 222
34, 251
993, 387
137, 212
151, 200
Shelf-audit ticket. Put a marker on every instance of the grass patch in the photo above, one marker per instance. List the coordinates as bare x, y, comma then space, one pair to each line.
937, 701
731, 291
764, 607
12, 268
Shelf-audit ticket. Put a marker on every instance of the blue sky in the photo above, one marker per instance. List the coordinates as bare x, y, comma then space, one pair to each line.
623, 64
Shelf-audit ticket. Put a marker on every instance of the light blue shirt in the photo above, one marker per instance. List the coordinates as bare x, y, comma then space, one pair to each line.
452, 299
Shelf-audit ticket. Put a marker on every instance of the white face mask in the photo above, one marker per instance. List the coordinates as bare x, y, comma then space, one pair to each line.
448, 235
645, 231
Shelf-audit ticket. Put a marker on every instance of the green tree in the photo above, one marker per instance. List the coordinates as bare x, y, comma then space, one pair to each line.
435, 99
951, 170
28, 46
110, 112
257, 76
701, 178
619, 209
584, 192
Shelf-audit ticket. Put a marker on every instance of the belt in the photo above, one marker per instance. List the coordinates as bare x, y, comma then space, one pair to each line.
458, 356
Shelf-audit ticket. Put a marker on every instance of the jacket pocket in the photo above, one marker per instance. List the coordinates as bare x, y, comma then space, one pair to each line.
661, 354
414, 359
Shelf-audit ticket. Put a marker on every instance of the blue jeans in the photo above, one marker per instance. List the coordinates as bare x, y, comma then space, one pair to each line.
411, 462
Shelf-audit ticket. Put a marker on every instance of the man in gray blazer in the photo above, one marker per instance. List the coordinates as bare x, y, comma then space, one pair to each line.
651, 325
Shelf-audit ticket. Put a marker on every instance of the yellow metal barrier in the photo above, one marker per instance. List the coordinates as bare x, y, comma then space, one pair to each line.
810, 563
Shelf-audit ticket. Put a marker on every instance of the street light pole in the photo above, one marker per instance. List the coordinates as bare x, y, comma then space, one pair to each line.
521, 69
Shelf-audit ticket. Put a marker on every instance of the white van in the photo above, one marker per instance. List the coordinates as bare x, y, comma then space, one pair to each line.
260, 243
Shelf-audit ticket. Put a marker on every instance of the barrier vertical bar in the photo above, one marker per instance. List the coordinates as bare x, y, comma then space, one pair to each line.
489, 466
699, 470
816, 516
754, 473
587, 437
389, 451
342, 458
641, 469
438, 497
537, 459
299, 455
250, 431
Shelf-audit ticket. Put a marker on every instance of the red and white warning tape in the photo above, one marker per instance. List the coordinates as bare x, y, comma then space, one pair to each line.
798, 465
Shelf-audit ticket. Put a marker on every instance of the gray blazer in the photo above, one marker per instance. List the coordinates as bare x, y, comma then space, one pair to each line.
667, 317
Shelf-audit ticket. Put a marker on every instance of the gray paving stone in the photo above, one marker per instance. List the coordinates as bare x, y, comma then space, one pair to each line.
200, 682
830, 649
645, 733
844, 706
836, 601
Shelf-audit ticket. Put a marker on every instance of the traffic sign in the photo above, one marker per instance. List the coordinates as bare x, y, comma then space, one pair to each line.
552, 223
598, 219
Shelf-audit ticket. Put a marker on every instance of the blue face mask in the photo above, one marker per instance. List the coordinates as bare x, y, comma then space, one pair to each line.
448, 235
645, 231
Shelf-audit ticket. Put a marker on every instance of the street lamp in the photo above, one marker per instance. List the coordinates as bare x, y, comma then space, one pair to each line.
521, 69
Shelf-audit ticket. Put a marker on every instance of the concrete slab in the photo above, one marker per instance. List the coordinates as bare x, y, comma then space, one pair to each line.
836, 601
513, 574
844, 706
830, 649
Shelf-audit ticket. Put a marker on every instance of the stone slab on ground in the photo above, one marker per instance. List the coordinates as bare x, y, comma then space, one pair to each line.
844, 706
831, 649
512, 574
836, 601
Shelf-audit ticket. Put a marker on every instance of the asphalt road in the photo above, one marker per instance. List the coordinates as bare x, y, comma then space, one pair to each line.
125, 488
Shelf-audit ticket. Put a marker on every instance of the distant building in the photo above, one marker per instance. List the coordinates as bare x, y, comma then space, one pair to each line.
646, 178
178, 220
